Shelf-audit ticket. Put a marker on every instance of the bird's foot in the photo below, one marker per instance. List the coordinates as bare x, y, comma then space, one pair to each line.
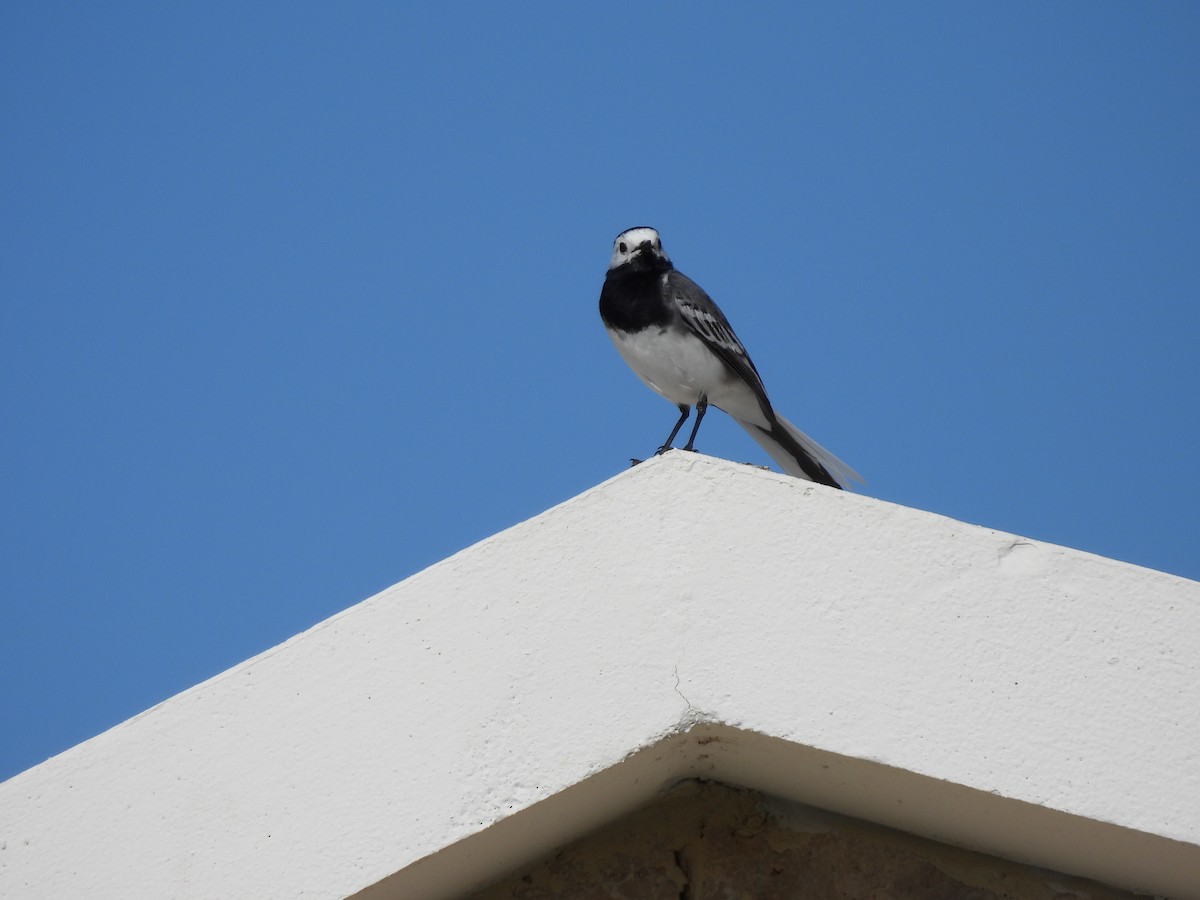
634, 462
663, 449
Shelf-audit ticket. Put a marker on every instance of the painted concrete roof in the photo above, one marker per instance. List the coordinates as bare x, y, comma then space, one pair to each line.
688, 617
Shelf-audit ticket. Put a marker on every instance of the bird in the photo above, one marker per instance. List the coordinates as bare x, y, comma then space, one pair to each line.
677, 341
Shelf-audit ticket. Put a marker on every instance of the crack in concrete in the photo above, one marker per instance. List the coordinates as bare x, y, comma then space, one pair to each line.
680, 693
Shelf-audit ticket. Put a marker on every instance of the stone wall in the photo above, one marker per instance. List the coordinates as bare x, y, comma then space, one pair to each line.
704, 841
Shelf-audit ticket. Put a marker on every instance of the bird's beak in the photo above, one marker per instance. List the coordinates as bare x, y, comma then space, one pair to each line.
646, 245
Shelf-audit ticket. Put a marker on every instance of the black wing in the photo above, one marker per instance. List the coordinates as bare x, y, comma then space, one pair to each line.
705, 319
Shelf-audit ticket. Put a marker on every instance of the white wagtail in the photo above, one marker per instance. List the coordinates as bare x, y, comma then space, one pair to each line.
678, 341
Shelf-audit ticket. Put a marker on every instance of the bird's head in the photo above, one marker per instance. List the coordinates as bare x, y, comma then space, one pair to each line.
639, 248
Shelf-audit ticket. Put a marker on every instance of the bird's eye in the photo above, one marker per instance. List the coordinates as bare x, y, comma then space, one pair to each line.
621, 246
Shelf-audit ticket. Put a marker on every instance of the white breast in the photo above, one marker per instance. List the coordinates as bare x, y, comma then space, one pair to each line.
676, 365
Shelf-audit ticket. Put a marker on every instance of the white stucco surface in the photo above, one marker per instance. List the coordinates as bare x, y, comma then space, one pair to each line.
690, 616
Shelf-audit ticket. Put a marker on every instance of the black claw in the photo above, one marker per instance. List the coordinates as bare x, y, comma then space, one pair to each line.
684, 412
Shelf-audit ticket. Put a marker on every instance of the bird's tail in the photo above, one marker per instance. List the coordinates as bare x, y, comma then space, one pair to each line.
799, 455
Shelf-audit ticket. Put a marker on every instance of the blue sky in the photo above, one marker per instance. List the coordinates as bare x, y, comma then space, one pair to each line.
299, 299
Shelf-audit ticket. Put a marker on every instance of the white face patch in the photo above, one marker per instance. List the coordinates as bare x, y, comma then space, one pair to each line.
627, 243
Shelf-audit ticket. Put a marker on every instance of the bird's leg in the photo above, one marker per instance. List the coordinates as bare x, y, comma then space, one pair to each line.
701, 409
684, 412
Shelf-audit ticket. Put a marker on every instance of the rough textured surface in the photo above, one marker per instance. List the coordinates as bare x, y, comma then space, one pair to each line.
706, 841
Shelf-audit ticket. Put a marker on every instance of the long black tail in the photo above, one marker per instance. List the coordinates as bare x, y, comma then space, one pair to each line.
799, 455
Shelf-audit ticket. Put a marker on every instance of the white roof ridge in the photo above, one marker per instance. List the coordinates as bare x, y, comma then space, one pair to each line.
689, 616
